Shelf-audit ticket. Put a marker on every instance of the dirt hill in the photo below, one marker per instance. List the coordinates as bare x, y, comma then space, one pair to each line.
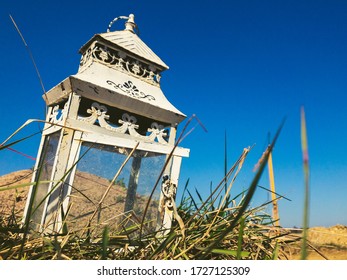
325, 243
14, 200
86, 193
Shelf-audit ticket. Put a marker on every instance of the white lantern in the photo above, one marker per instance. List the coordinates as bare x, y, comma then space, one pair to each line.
112, 108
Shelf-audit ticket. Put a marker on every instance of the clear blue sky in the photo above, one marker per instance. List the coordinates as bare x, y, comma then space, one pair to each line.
240, 66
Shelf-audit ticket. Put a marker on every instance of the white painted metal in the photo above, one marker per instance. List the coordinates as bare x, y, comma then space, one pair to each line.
52, 217
118, 74
128, 92
129, 41
111, 89
96, 134
119, 70
126, 125
128, 142
74, 156
34, 176
169, 201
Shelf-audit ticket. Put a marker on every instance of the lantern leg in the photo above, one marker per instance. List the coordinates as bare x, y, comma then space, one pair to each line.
58, 188
132, 186
52, 209
34, 190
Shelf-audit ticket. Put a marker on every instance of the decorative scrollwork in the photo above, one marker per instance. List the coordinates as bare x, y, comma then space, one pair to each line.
86, 56
119, 61
158, 131
96, 112
127, 124
130, 89
168, 190
57, 114
167, 204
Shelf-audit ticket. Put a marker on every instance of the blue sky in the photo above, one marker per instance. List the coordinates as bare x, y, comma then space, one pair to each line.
240, 66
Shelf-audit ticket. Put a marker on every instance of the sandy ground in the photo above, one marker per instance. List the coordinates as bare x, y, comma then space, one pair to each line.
86, 193
14, 199
330, 242
325, 243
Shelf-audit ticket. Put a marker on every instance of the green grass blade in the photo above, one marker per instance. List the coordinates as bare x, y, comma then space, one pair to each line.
171, 236
105, 241
225, 162
199, 195
184, 190
2, 145
275, 252
193, 200
235, 253
304, 147
23, 185
64, 217
279, 196
240, 238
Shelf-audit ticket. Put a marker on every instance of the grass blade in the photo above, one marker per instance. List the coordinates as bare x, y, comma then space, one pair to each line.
105, 241
239, 254
304, 147
171, 236
225, 162
184, 190
23, 185
240, 238
275, 213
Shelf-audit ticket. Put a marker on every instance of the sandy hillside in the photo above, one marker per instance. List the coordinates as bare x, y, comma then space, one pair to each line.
87, 191
326, 243
14, 199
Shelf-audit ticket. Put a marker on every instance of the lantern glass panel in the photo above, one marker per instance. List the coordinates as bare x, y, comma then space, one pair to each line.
127, 198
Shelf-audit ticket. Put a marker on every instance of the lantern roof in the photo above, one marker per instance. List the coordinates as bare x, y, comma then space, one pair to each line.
118, 69
128, 40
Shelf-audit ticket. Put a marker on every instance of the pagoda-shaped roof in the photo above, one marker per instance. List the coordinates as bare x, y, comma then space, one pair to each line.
119, 70
130, 42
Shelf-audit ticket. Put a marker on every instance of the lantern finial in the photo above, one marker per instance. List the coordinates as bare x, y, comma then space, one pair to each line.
130, 25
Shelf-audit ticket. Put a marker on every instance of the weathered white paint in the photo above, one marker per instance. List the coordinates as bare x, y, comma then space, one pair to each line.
119, 73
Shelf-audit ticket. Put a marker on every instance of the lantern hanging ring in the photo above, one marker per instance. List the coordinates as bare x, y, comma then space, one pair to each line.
130, 24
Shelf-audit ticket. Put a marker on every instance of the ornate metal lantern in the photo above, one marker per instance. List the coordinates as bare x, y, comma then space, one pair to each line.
110, 134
